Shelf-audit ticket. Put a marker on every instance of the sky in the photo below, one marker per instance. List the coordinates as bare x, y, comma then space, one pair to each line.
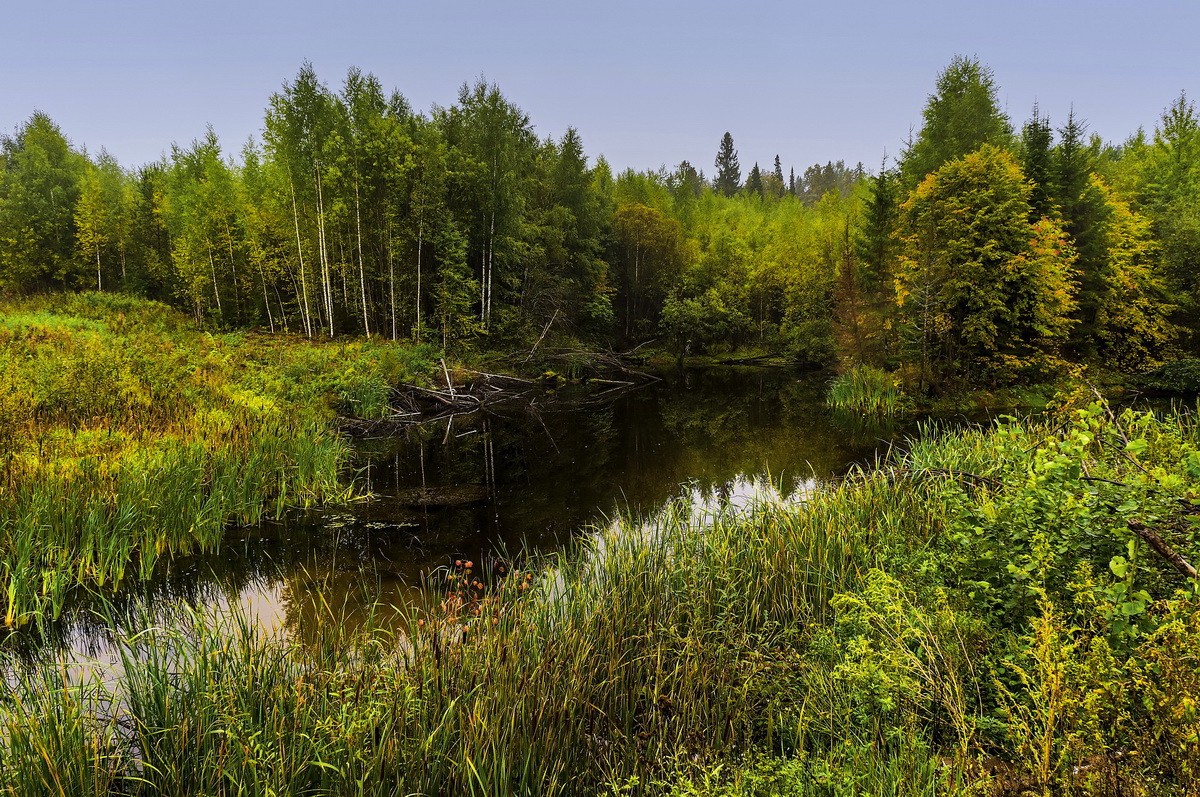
646, 84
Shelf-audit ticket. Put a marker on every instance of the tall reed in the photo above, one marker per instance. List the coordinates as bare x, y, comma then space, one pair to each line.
867, 390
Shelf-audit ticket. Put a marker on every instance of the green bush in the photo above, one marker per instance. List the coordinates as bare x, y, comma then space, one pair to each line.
1181, 376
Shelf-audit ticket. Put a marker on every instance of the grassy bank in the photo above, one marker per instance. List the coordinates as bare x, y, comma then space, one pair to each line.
976, 617
127, 435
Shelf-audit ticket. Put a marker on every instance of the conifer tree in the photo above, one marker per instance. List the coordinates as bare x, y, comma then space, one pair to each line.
1170, 191
1072, 169
876, 240
729, 173
754, 182
1036, 162
960, 116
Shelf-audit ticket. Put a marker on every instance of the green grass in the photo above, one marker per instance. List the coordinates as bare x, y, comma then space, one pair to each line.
127, 435
866, 390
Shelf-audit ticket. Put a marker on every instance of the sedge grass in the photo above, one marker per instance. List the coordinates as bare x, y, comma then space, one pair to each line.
866, 390
607, 663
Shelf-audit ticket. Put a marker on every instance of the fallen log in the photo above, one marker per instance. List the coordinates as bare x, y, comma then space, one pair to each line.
1161, 547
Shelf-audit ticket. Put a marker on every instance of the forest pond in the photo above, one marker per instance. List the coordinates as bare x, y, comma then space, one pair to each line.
519, 478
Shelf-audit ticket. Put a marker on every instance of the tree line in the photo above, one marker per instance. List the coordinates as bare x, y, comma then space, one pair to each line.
983, 253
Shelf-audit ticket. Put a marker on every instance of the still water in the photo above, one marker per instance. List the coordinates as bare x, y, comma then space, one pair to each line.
516, 478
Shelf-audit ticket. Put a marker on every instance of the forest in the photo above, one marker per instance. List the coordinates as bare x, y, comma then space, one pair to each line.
808, 581
984, 254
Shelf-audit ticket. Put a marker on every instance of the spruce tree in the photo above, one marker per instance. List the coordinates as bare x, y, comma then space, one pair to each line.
729, 172
1086, 218
754, 182
1036, 141
877, 240
1072, 168
962, 115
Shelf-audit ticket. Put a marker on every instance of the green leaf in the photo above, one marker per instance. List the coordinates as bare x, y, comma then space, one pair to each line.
1130, 608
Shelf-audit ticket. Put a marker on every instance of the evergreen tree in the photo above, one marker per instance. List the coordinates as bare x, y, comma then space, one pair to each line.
729, 174
1169, 187
1037, 162
1085, 213
754, 182
686, 182
1072, 169
876, 241
960, 116
867, 270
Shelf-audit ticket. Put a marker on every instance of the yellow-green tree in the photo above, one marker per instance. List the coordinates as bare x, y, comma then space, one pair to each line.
1131, 309
91, 223
650, 257
983, 292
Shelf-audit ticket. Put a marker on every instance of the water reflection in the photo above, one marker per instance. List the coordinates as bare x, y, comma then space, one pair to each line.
513, 479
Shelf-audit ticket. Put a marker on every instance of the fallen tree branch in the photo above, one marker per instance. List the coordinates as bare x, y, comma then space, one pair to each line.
541, 337
1161, 547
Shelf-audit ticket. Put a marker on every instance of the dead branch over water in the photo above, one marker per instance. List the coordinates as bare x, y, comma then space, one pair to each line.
605, 375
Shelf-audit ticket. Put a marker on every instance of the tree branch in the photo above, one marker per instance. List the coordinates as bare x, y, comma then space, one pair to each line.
1161, 547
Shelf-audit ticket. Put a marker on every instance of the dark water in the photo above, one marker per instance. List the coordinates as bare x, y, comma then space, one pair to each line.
520, 478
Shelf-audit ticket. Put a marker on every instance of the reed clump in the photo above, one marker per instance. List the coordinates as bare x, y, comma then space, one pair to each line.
127, 435
867, 390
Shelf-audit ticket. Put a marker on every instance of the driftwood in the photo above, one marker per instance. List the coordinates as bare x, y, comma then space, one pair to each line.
591, 364
775, 360
415, 405
1161, 547
541, 337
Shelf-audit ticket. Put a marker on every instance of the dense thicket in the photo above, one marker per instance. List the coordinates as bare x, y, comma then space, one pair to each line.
982, 255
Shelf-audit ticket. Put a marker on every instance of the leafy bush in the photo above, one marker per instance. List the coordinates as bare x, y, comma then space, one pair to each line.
1181, 376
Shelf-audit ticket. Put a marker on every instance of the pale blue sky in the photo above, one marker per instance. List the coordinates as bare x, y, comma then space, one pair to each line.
646, 83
